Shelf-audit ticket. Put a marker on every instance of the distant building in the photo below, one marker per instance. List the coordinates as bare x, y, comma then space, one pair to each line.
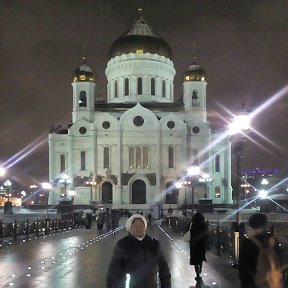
269, 180
256, 180
134, 147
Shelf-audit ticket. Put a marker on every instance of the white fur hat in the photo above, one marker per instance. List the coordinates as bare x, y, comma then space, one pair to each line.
132, 218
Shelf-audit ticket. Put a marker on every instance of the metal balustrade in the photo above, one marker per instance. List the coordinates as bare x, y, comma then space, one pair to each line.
225, 236
15, 229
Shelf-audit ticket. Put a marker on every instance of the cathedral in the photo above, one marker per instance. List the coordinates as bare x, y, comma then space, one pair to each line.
133, 150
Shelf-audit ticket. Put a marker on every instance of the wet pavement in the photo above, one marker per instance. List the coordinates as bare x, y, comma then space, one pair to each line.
80, 258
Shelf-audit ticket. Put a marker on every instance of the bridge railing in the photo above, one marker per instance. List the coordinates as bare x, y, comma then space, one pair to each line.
15, 229
225, 236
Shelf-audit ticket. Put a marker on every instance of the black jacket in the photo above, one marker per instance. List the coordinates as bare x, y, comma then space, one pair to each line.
248, 258
141, 260
198, 243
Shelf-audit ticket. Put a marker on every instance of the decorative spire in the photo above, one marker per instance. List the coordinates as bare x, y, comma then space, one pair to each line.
84, 52
194, 58
140, 18
140, 11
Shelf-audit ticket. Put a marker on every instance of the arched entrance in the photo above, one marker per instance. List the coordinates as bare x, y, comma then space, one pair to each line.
107, 193
138, 192
171, 193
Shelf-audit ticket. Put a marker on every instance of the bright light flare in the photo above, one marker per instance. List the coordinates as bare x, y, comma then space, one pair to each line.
65, 178
264, 182
194, 170
178, 185
263, 194
46, 186
241, 123
2, 171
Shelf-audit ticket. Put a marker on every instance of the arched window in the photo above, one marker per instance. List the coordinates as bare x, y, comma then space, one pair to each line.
195, 99
217, 192
153, 86
82, 99
139, 85
107, 193
131, 158
217, 163
116, 89
106, 159
170, 157
138, 192
171, 194
62, 163
126, 86
83, 160
163, 89
145, 157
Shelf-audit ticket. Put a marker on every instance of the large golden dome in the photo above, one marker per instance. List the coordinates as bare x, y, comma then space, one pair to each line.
84, 73
140, 38
195, 72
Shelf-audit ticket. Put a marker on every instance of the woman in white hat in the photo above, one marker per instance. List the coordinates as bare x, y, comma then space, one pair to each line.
137, 259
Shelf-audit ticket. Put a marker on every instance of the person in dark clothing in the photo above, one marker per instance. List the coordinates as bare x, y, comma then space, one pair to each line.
88, 220
259, 241
149, 217
198, 243
100, 219
137, 258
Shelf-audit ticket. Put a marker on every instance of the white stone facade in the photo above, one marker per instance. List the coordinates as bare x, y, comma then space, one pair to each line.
140, 142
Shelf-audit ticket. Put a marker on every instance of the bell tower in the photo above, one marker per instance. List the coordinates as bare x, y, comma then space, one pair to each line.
84, 91
194, 90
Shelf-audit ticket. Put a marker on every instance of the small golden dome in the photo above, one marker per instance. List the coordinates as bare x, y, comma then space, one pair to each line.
84, 73
195, 72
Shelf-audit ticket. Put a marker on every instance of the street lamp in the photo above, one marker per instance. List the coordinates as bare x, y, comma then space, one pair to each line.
186, 184
2, 171
65, 180
8, 185
238, 128
92, 184
205, 179
263, 194
193, 171
47, 187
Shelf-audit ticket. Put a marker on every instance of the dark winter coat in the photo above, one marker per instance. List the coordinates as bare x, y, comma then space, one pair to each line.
248, 258
141, 260
198, 243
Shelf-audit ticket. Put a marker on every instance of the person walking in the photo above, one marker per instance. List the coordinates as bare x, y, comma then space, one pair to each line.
260, 256
137, 259
108, 220
149, 218
198, 243
100, 219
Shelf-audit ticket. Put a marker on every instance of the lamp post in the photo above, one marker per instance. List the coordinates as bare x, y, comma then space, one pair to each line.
65, 180
185, 183
205, 179
193, 171
47, 187
8, 185
238, 129
193, 174
92, 184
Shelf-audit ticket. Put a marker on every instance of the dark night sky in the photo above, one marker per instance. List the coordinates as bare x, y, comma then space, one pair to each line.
242, 45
